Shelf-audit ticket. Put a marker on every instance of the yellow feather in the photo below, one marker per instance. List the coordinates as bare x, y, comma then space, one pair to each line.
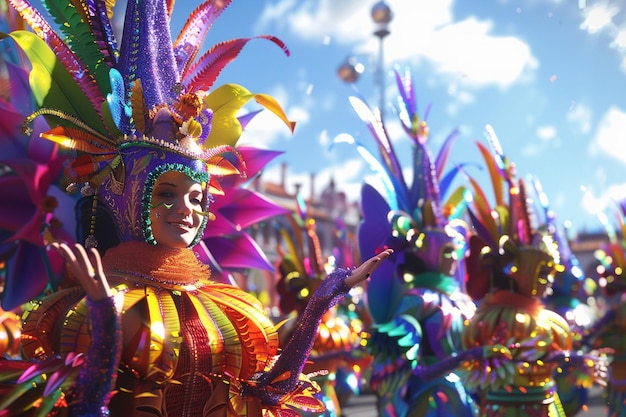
226, 101
272, 105
497, 181
138, 105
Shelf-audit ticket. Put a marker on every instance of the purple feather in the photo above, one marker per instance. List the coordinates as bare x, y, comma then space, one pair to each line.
26, 262
407, 94
374, 229
238, 252
246, 118
383, 289
58, 378
21, 98
432, 186
377, 129
372, 235
245, 208
444, 151
256, 159
194, 31
482, 231
33, 371
103, 32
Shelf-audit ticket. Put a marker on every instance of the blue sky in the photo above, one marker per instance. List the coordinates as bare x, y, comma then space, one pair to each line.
548, 75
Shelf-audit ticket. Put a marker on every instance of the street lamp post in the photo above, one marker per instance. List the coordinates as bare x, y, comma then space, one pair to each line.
381, 15
350, 70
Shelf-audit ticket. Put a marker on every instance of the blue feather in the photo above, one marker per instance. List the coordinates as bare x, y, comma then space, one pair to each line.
120, 110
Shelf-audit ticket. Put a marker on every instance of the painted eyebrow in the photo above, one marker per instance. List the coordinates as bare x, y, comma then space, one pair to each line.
166, 184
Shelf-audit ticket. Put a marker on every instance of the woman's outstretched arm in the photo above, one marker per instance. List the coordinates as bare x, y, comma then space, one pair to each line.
99, 371
295, 354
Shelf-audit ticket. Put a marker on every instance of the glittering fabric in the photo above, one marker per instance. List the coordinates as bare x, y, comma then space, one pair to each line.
186, 341
147, 31
138, 262
292, 359
103, 355
524, 384
188, 397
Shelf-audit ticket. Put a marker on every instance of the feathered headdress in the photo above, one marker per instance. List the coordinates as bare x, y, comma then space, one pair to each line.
507, 250
138, 110
423, 229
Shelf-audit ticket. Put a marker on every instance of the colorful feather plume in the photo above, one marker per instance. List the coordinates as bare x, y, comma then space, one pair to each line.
504, 228
84, 77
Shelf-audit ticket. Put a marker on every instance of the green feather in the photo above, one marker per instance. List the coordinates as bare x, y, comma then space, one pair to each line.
52, 85
81, 40
48, 403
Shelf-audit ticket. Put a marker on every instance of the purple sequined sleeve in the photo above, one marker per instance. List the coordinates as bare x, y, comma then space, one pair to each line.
97, 376
296, 352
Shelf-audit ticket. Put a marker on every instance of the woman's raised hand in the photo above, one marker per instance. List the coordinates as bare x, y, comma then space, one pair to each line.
86, 266
367, 268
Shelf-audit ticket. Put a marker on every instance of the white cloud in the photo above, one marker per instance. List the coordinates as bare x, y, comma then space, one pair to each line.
465, 51
606, 17
620, 40
618, 192
610, 137
324, 21
531, 149
458, 98
267, 131
324, 139
605, 203
599, 17
546, 133
579, 117
592, 204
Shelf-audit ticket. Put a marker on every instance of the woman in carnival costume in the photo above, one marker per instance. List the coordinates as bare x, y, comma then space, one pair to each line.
416, 300
513, 344
302, 270
154, 335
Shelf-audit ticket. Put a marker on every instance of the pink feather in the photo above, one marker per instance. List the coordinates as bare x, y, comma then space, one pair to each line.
193, 33
203, 73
